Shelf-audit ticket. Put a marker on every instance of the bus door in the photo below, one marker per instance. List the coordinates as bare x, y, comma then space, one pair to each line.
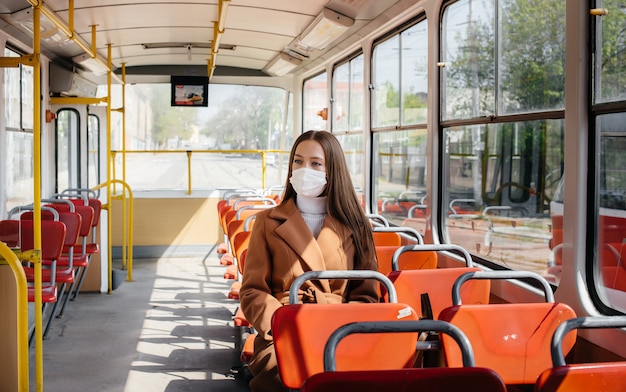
77, 146
79, 154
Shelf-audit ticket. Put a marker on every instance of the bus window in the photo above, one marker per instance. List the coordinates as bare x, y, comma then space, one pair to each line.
18, 112
502, 172
224, 140
611, 215
67, 153
399, 176
501, 180
609, 139
315, 103
93, 154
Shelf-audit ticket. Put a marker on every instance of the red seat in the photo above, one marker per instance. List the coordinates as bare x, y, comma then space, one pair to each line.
52, 240
81, 251
467, 379
605, 376
10, 232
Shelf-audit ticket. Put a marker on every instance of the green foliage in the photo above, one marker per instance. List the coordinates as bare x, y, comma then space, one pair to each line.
244, 119
169, 122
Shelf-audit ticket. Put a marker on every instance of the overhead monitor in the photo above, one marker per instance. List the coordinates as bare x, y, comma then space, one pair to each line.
190, 91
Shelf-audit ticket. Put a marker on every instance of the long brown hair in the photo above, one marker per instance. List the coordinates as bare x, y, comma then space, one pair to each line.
342, 200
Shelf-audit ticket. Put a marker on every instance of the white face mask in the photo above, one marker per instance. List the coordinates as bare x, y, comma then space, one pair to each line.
308, 182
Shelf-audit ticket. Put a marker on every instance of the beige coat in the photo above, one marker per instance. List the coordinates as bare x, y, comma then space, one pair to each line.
282, 248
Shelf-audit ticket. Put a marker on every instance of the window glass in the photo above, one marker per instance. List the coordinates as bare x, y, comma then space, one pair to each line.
611, 185
467, 56
531, 59
12, 93
386, 81
341, 98
352, 145
357, 93
27, 100
315, 103
212, 147
414, 84
93, 153
608, 135
399, 173
19, 183
67, 131
610, 56
501, 180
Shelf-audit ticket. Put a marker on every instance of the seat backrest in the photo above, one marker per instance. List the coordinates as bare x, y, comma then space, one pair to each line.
604, 376
10, 232
86, 213
72, 221
509, 338
437, 285
382, 238
388, 239
52, 238
468, 378
240, 245
300, 332
96, 204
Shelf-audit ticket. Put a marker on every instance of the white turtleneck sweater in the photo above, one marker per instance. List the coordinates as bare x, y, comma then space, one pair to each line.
313, 210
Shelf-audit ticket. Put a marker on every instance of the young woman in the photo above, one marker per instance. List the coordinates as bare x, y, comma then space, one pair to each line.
318, 226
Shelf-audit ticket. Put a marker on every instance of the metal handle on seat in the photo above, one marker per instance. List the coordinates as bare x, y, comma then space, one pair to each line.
401, 230
342, 274
456, 287
430, 247
556, 346
424, 325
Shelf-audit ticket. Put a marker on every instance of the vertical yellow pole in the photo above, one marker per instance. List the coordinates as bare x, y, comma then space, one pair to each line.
22, 315
37, 193
124, 198
109, 201
189, 172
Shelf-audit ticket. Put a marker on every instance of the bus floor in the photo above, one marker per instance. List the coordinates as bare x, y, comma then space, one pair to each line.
170, 329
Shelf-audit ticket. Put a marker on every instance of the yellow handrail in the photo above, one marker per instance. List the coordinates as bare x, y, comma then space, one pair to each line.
127, 231
189, 153
6, 254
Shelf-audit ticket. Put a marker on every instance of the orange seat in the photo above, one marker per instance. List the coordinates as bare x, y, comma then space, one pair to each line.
231, 272
508, 338
605, 376
300, 332
233, 293
227, 259
388, 240
240, 319
240, 243
435, 283
467, 378
248, 348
